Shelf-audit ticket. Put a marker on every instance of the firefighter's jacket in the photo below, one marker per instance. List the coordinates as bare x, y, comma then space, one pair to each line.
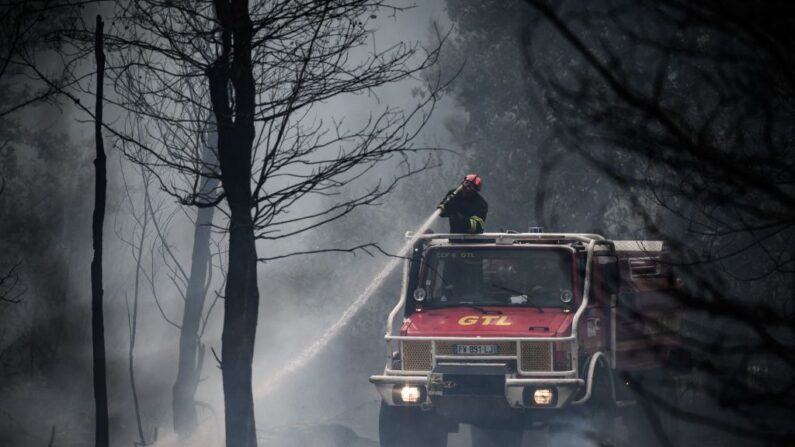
467, 214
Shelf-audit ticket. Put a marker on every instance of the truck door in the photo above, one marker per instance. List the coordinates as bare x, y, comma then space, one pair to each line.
596, 326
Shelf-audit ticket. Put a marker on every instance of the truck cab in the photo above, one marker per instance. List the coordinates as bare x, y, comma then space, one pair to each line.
506, 331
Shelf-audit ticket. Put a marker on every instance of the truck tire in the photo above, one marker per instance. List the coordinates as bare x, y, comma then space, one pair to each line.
409, 427
496, 437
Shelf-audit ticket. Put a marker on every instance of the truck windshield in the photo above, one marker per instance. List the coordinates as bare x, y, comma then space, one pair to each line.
489, 276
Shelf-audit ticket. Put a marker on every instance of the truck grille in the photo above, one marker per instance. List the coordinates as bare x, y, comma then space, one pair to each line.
416, 355
536, 356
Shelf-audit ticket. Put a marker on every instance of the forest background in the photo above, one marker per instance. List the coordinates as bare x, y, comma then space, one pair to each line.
635, 120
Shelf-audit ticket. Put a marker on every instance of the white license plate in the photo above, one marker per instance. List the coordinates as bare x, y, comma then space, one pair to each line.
476, 349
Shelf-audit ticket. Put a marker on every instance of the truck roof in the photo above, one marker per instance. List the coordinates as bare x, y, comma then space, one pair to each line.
507, 237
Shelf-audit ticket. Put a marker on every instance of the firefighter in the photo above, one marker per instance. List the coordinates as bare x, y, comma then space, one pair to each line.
465, 207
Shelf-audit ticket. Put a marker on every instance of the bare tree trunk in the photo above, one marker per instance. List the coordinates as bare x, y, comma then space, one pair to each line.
97, 321
191, 353
235, 141
240, 326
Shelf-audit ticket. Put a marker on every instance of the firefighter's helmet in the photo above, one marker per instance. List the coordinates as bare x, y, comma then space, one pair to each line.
472, 181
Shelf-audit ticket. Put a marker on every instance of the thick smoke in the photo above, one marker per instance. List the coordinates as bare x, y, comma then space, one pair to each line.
45, 340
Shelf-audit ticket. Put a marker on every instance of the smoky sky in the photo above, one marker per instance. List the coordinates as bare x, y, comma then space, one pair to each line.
49, 189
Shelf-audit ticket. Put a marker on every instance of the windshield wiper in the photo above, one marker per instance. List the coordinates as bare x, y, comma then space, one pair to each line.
478, 308
520, 293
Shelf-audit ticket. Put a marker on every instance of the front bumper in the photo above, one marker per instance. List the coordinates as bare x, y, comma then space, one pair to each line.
439, 387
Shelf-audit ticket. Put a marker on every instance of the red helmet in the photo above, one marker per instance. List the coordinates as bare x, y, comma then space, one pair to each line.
472, 181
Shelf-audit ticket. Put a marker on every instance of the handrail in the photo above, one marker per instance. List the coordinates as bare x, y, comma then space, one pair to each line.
404, 289
586, 294
592, 240
584, 237
589, 379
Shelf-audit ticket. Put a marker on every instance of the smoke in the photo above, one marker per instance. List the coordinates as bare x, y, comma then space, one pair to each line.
46, 375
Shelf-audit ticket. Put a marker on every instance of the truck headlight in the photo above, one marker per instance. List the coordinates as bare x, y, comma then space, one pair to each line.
539, 397
408, 394
543, 396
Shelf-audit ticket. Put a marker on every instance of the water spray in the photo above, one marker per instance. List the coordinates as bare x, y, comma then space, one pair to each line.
349, 313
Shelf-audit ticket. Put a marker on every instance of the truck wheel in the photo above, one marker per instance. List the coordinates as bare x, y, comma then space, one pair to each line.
409, 427
494, 437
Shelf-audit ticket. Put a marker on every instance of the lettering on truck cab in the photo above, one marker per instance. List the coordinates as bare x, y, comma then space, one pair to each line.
484, 320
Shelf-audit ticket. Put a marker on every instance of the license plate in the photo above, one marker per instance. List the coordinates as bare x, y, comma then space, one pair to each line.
476, 349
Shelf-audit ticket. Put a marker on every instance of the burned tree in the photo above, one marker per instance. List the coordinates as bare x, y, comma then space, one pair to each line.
191, 351
136, 241
97, 223
262, 72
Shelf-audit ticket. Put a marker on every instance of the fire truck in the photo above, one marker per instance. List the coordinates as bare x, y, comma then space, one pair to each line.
513, 331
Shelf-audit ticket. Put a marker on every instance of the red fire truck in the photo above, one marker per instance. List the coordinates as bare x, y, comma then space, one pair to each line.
512, 331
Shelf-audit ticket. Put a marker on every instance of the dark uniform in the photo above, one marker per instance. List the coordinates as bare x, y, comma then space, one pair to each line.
466, 211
